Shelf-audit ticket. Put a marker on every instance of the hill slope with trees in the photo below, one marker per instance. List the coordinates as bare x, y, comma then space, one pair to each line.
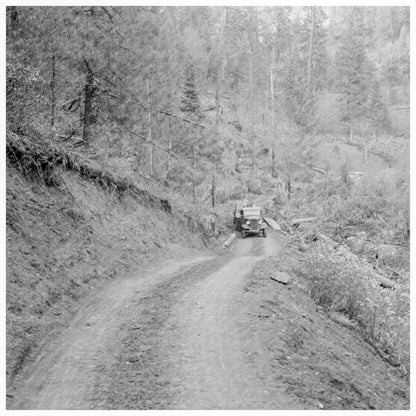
184, 111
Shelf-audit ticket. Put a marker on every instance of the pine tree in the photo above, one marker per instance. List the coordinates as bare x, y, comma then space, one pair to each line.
353, 75
376, 109
190, 101
297, 104
306, 66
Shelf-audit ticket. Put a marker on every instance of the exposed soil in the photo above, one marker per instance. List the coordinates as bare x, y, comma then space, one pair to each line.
209, 333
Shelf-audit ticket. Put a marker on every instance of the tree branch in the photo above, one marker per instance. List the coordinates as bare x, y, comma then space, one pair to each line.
107, 13
187, 120
87, 65
183, 119
145, 139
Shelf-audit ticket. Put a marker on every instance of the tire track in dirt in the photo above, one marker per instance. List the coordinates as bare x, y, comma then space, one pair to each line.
216, 373
188, 347
206, 333
142, 375
63, 377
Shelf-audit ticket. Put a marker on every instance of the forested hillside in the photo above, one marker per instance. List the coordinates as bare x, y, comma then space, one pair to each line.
191, 110
182, 94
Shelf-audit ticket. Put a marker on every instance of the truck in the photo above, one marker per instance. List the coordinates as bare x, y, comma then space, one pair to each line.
249, 220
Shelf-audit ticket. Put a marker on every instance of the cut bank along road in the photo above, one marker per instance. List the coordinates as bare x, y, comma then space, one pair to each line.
189, 316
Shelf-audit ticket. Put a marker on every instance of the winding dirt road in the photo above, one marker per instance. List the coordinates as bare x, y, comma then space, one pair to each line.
209, 333
215, 333
206, 347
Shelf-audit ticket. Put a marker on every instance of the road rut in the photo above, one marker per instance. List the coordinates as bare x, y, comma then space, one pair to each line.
208, 333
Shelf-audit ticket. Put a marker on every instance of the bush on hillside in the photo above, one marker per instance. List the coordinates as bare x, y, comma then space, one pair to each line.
233, 189
341, 282
254, 186
371, 205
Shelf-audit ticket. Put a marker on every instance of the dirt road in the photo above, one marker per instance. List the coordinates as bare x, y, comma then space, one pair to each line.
194, 334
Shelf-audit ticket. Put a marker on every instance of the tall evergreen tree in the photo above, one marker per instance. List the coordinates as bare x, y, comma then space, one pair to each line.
190, 101
376, 109
353, 75
306, 66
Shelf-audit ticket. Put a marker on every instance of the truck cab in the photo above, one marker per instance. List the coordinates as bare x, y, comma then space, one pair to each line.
248, 220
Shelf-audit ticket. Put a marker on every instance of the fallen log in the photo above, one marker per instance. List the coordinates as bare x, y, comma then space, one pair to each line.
281, 277
320, 170
385, 282
343, 320
298, 221
229, 241
272, 223
382, 280
323, 237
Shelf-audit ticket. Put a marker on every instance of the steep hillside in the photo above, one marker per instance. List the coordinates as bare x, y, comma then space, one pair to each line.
385, 155
329, 114
67, 234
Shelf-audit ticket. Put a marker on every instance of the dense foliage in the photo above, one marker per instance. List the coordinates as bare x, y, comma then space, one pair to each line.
138, 82
341, 282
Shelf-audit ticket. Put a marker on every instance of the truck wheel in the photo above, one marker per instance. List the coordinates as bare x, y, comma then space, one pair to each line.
264, 233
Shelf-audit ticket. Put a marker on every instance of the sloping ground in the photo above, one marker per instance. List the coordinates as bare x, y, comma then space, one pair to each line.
329, 113
320, 358
400, 119
336, 153
66, 239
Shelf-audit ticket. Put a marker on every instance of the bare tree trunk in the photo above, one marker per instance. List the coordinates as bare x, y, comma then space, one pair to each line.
272, 59
193, 167
14, 19
193, 176
311, 40
251, 34
88, 103
251, 103
221, 69
170, 147
288, 186
149, 129
213, 191
350, 134
366, 155
81, 108
53, 97
212, 217
391, 24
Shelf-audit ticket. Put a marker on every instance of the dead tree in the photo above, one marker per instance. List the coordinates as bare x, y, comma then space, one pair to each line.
89, 93
53, 92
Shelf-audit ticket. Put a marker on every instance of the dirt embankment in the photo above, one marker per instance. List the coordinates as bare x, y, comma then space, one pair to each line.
66, 240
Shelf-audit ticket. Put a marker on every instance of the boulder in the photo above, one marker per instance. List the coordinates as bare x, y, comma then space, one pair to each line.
281, 277
356, 244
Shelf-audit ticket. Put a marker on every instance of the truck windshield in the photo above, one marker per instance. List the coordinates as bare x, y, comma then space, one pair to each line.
251, 211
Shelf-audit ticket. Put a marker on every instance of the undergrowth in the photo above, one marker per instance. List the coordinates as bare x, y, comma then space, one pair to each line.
342, 282
39, 159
